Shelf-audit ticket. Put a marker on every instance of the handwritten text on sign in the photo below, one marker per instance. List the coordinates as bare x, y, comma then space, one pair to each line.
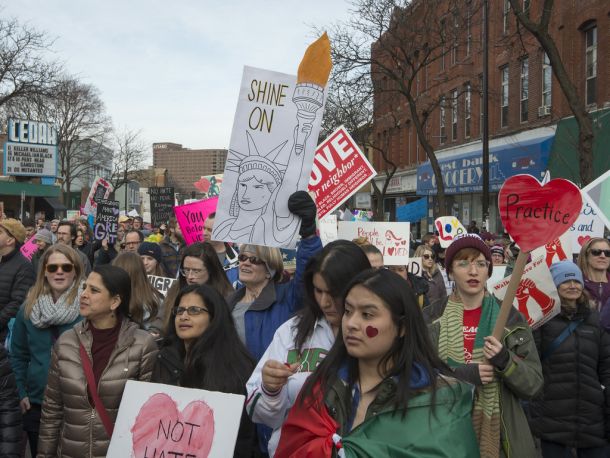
392, 239
191, 217
339, 170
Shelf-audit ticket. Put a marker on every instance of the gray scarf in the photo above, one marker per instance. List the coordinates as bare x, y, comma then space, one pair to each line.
46, 313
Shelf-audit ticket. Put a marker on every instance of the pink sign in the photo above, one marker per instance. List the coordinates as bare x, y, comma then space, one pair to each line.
191, 217
339, 170
29, 248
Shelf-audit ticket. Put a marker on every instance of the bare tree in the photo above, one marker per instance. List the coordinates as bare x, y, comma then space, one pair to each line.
25, 69
537, 23
129, 158
394, 44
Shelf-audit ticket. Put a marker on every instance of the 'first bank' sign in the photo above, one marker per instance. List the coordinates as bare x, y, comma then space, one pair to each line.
31, 149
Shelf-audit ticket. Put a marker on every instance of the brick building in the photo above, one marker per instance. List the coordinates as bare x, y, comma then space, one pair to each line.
185, 166
531, 128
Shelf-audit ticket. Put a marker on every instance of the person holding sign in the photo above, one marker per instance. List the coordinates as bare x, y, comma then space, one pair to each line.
503, 371
90, 365
202, 350
50, 308
594, 262
301, 343
381, 391
572, 410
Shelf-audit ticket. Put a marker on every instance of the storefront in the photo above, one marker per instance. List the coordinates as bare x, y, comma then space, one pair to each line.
32, 198
523, 153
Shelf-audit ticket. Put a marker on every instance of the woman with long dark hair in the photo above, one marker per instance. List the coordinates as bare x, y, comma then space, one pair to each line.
381, 391
202, 350
301, 343
90, 366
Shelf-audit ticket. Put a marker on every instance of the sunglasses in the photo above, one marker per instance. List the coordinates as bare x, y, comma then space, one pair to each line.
52, 268
599, 253
428, 256
253, 259
192, 310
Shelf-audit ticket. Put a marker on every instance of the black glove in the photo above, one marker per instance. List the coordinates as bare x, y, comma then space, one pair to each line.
302, 205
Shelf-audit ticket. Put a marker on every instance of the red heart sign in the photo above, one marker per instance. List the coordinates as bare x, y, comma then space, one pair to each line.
582, 239
534, 214
161, 429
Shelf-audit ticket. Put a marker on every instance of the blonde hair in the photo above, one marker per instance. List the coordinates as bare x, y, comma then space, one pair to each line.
421, 250
271, 256
361, 241
41, 285
584, 251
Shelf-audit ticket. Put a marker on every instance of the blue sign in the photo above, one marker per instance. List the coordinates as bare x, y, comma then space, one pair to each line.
413, 212
464, 173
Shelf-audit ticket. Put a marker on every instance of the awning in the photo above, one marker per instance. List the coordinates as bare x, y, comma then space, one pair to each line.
55, 204
14, 188
464, 173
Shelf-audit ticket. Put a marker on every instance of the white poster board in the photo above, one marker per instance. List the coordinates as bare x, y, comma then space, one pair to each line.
161, 284
273, 141
597, 194
328, 229
556, 250
536, 298
448, 228
588, 225
415, 267
392, 239
162, 420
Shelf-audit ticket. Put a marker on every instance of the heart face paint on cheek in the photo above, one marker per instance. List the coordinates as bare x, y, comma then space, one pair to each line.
371, 331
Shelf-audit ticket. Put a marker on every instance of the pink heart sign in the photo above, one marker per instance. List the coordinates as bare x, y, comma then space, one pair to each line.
161, 430
534, 214
582, 239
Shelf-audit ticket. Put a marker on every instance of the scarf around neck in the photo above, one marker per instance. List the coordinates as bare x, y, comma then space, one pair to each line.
46, 313
486, 410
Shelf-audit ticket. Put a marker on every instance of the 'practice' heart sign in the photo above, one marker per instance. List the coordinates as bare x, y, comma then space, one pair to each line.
534, 214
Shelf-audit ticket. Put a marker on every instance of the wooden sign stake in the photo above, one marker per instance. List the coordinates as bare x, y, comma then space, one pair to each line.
507, 302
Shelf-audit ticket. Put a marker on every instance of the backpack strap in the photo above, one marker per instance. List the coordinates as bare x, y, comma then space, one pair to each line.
92, 389
569, 329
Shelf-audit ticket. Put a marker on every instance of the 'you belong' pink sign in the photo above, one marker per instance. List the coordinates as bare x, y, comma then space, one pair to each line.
191, 217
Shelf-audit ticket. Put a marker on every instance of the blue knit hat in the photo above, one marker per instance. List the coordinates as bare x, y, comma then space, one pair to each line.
150, 249
564, 271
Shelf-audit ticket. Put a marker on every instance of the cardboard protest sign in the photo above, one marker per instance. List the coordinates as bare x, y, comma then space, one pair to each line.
209, 185
496, 276
534, 214
328, 229
161, 204
536, 297
339, 170
392, 239
107, 220
588, 225
72, 215
415, 266
156, 420
555, 250
191, 217
448, 228
29, 248
271, 151
161, 284
597, 194
100, 189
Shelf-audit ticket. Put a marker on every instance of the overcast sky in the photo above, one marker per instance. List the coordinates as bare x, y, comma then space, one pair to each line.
173, 69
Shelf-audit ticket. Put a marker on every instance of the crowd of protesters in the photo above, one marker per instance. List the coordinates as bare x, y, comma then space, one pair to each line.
341, 357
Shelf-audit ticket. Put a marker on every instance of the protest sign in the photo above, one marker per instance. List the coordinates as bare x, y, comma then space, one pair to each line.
597, 194
588, 225
392, 239
191, 217
339, 170
556, 250
496, 276
161, 284
328, 229
413, 212
107, 220
448, 228
271, 151
72, 215
156, 420
536, 296
415, 266
29, 248
209, 185
100, 189
161, 204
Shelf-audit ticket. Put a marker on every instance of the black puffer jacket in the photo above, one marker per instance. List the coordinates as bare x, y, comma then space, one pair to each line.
573, 409
16, 278
10, 413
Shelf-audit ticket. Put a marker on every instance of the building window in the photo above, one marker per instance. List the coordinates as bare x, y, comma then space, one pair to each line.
505, 16
524, 89
467, 109
454, 114
443, 50
547, 74
468, 30
454, 38
591, 64
442, 130
504, 97
526, 7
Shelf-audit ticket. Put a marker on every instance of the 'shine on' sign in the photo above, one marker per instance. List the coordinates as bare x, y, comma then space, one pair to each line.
31, 149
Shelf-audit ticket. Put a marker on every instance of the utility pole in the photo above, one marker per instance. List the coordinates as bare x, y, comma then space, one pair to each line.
485, 108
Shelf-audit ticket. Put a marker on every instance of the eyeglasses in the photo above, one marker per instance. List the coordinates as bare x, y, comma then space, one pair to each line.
253, 259
428, 256
66, 268
465, 265
132, 243
192, 310
599, 253
194, 272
